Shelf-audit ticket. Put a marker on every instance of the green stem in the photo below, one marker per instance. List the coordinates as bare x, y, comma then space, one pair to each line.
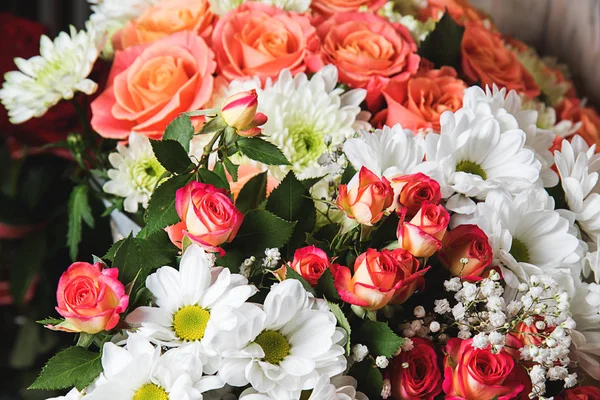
209, 148
82, 114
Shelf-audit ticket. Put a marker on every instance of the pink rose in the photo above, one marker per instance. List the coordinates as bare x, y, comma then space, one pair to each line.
329, 7
310, 262
389, 276
411, 191
422, 236
476, 374
150, 85
260, 40
466, 242
581, 393
368, 52
422, 379
90, 298
208, 217
367, 199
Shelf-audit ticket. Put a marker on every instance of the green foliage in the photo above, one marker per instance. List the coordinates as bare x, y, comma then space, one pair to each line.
181, 130
79, 211
50, 321
261, 230
379, 338
212, 178
292, 274
172, 155
326, 287
253, 193
442, 46
231, 168
161, 207
74, 366
348, 174
369, 378
262, 151
342, 322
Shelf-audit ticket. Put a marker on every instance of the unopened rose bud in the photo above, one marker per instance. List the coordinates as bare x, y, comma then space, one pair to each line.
239, 110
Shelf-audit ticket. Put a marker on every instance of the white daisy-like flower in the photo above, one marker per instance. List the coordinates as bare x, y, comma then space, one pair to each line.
222, 7
475, 155
196, 304
289, 344
587, 351
57, 73
73, 394
526, 235
591, 264
135, 172
508, 110
341, 387
139, 371
578, 167
547, 120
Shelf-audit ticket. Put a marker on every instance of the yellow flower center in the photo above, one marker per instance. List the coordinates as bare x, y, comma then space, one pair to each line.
471, 168
275, 346
150, 391
190, 322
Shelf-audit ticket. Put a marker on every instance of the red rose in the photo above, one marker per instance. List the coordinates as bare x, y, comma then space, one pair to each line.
411, 191
310, 262
581, 393
422, 378
466, 242
422, 236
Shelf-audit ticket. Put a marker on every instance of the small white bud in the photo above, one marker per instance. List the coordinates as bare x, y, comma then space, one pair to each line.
386, 389
434, 326
359, 352
419, 311
381, 362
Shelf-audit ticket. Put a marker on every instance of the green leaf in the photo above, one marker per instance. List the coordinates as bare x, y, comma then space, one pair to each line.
261, 230
110, 254
161, 207
369, 378
348, 174
308, 183
342, 322
213, 126
79, 210
326, 287
74, 366
212, 178
30, 255
443, 45
231, 168
262, 151
219, 170
181, 130
379, 338
290, 273
291, 201
172, 155
50, 321
253, 193
232, 260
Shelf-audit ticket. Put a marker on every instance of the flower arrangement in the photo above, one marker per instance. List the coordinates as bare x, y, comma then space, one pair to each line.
331, 200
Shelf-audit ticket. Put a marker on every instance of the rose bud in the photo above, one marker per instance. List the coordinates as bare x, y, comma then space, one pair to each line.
239, 112
422, 378
476, 374
389, 276
580, 393
90, 298
411, 191
365, 199
422, 236
466, 243
311, 263
208, 217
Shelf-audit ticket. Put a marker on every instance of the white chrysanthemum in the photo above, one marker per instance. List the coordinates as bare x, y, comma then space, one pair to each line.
547, 120
510, 114
135, 173
475, 154
587, 351
57, 73
527, 236
72, 395
307, 117
578, 167
289, 344
591, 265
341, 387
139, 371
585, 306
196, 303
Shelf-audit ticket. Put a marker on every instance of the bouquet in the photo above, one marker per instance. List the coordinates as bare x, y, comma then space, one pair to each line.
327, 199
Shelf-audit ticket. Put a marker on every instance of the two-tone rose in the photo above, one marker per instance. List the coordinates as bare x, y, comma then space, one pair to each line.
466, 243
422, 235
415, 374
411, 191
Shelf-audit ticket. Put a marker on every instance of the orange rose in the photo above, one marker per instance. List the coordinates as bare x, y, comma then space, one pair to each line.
486, 60
149, 85
164, 19
460, 10
260, 40
571, 109
466, 242
423, 235
418, 102
411, 191
329, 7
368, 52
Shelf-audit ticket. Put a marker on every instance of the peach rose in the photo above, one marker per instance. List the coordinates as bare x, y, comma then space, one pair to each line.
208, 217
90, 298
149, 85
422, 236
329, 7
418, 102
380, 278
571, 110
466, 242
368, 52
365, 199
486, 60
460, 10
411, 191
164, 19
260, 40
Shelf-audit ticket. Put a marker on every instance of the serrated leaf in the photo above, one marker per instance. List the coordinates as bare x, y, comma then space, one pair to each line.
369, 378
290, 273
181, 130
74, 366
379, 338
348, 174
261, 230
253, 193
50, 321
326, 288
172, 155
161, 207
231, 168
219, 170
212, 178
79, 210
110, 254
262, 151
443, 45
342, 322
